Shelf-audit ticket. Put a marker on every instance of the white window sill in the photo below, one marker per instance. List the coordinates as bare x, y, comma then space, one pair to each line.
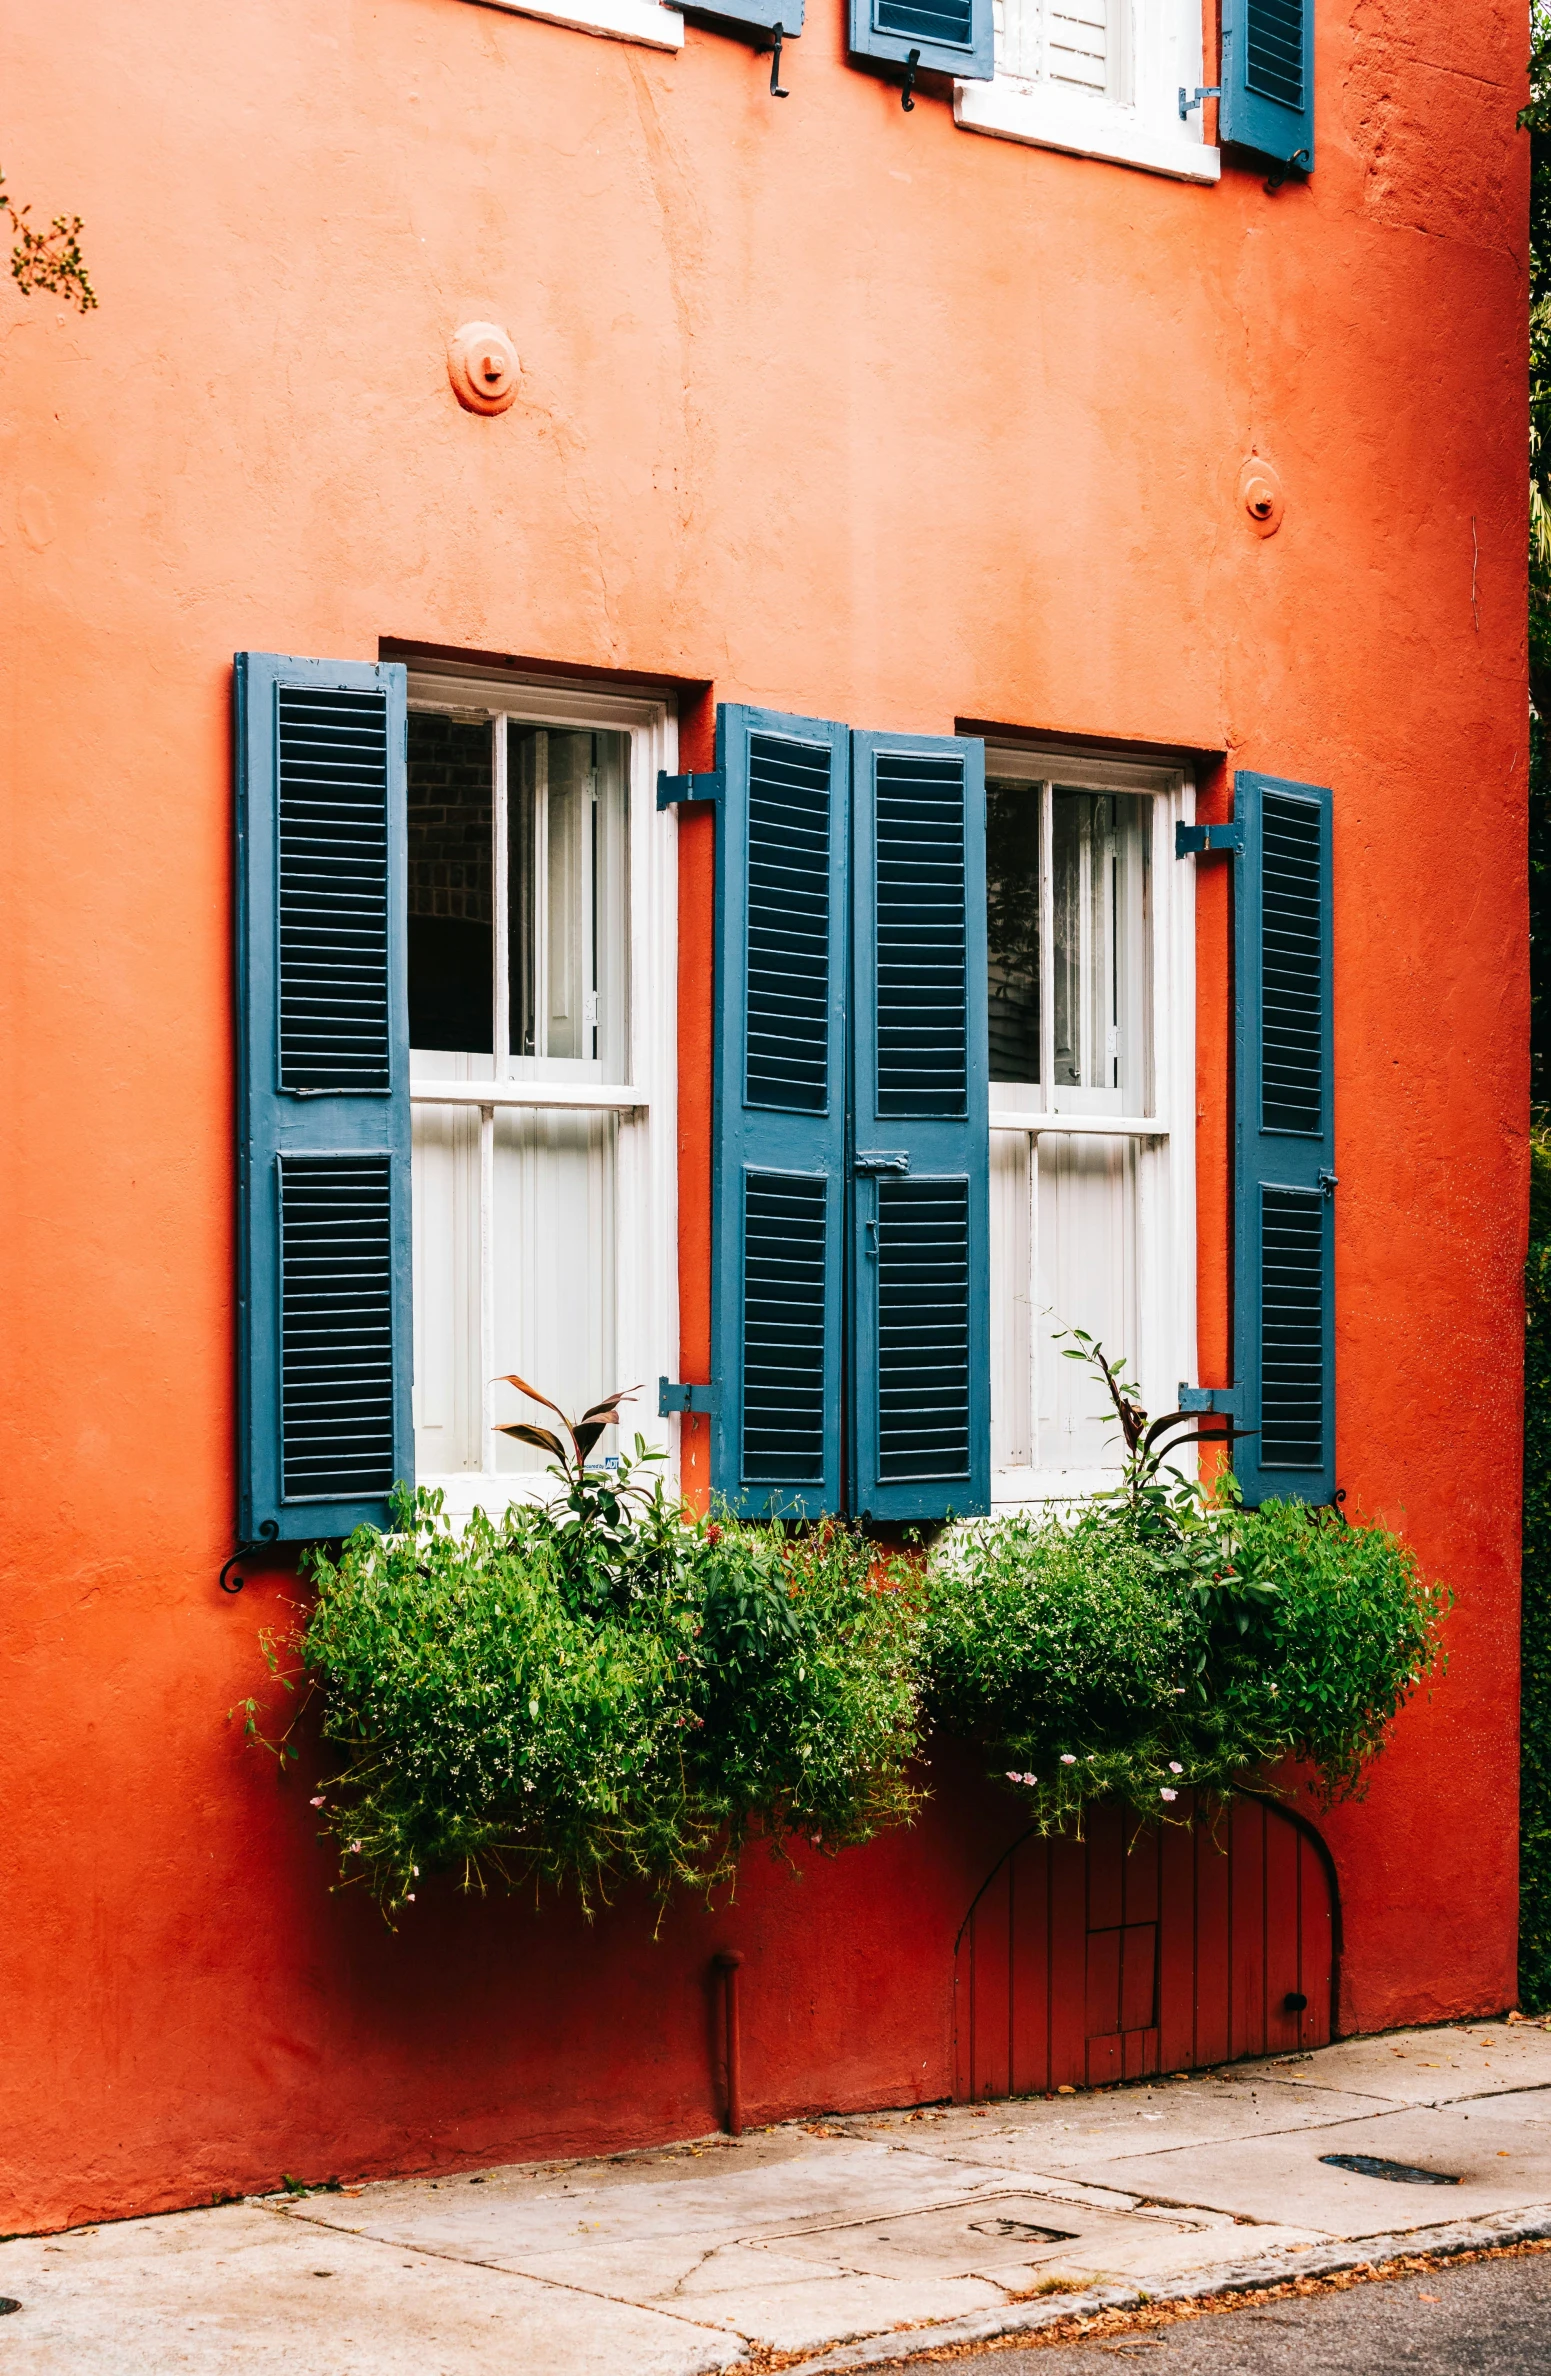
1014, 110
620, 20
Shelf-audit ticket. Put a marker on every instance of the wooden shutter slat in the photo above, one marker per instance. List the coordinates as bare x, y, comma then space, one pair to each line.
324, 1302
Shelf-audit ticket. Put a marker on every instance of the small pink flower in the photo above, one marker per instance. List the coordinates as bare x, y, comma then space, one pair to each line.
410, 1899
317, 1802
355, 1847
1174, 1766
1067, 1758
1011, 1778
1030, 1780
1168, 1794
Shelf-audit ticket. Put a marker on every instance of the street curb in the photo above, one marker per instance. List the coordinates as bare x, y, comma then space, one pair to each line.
1529, 2226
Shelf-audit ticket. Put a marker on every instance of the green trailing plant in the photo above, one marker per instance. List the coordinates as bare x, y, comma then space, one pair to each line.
1166, 1639
51, 260
600, 1686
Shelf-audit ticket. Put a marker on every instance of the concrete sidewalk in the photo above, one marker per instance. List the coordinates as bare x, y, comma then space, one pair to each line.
841, 2242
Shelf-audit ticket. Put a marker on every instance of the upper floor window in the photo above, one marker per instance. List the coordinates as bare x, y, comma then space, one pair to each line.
1101, 78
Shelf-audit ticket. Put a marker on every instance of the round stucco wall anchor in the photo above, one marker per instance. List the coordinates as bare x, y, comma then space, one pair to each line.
482, 366
1260, 492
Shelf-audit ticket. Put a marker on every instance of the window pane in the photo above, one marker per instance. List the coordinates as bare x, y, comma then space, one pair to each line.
1098, 886
1012, 895
451, 884
568, 895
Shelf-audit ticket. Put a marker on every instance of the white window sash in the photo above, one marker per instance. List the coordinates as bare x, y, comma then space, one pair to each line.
646, 1323
1164, 1138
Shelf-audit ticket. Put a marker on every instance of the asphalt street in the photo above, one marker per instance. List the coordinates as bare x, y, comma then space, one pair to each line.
1488, 2315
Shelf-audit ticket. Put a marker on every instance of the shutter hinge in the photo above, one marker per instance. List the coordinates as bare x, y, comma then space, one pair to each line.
1223, 1400
673, 1398
709, 784
1193, 841
1328, 1183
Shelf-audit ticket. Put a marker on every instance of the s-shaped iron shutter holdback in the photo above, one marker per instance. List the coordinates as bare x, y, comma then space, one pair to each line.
269, 1534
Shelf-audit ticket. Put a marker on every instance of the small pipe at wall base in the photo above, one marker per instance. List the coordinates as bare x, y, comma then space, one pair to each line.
726, 1961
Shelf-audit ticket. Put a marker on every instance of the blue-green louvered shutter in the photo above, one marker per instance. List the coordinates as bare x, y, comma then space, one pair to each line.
1267, 78
948, 36
324, 1305
778, 1188
920, 1347
1284, 1129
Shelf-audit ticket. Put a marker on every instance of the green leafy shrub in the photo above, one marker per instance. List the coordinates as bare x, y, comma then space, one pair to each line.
603, 1686
805, 1685
1092, 1662
1166, 1639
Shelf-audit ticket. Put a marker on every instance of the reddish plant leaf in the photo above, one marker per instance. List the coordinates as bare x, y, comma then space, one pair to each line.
536, 1435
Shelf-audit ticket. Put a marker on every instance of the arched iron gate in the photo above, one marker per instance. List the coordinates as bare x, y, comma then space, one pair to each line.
1130, 1952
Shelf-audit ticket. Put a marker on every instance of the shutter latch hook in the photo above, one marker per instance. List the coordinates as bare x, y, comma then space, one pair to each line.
776, 92
1328, 1183
907, 97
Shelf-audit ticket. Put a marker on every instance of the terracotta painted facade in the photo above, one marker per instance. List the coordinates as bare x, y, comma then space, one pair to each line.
823, 407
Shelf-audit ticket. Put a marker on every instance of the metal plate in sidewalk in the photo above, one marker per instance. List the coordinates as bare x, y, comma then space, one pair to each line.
982, 2234
1373, 2165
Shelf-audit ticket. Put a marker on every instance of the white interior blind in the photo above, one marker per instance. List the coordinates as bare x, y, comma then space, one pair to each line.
1073, 44
519, 963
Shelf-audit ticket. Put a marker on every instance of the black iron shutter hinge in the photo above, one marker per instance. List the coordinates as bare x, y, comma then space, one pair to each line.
1194, 841
708, 784
674, 1398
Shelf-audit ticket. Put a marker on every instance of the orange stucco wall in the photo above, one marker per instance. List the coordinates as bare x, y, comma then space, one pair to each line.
824, 406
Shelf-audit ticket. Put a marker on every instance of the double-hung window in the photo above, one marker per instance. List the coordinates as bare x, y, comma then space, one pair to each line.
955, 1100
1092, 1015
542, 1048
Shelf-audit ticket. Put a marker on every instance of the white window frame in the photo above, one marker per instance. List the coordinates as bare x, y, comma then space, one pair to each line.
646, 1101
1159, 48
1165, 1133
645, 21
